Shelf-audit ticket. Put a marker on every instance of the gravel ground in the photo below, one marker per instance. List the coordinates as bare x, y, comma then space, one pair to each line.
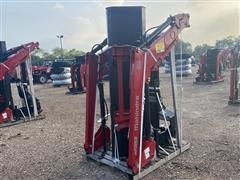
53, 148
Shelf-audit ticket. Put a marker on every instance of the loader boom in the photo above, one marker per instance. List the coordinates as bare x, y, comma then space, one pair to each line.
16, 58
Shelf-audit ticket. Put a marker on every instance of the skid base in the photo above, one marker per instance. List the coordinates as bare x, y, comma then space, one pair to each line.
235, 102
122, 165
11, 123
208, 83
73, 92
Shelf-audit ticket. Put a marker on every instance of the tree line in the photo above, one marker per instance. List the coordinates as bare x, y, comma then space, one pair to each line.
227, 42
58, 53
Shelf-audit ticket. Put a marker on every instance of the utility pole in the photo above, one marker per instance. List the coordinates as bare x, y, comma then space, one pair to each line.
60, 39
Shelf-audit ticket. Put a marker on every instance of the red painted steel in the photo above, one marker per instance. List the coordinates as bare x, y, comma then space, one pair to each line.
136, 90
121, 55
92, 65
83, 69
16, 59
131, 118
8, 66
234, 89
6, 115
221, 58
73, 78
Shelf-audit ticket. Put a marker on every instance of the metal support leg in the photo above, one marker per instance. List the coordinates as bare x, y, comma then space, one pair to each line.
178, 123
30, 79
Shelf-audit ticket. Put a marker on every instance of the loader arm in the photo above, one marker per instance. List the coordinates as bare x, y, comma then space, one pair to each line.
145, 60
19, 55
165, 37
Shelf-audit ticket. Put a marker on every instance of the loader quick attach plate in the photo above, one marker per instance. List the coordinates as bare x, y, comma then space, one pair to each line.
108, 160
22, 120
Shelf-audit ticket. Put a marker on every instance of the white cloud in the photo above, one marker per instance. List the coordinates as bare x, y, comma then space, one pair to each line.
208, 21
107, 3
88, 31
59, 6
115, 2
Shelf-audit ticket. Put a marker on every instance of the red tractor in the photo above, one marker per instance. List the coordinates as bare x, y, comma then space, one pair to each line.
41, 74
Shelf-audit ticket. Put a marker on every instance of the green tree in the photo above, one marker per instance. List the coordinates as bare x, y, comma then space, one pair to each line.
43, 55
186, 47
36, 57
49, 56
72, 53
200, 49
40, 55
59, 53
227, 42
36, 60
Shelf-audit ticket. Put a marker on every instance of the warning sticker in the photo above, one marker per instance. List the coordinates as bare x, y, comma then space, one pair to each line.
147, 152
160, 46
4, 115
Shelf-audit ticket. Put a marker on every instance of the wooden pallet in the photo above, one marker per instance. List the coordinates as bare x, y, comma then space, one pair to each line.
122, 165
12, 123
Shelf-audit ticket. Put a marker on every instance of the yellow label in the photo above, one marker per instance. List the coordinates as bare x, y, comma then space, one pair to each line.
160, 47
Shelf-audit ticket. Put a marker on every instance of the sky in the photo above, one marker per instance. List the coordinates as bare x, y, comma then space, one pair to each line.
83, 23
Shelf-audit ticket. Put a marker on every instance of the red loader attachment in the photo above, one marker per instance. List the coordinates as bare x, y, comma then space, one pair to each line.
135, 138
234, 97
10, 113
211, 66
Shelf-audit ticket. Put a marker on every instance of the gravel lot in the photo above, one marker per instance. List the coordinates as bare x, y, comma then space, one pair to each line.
53, 148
